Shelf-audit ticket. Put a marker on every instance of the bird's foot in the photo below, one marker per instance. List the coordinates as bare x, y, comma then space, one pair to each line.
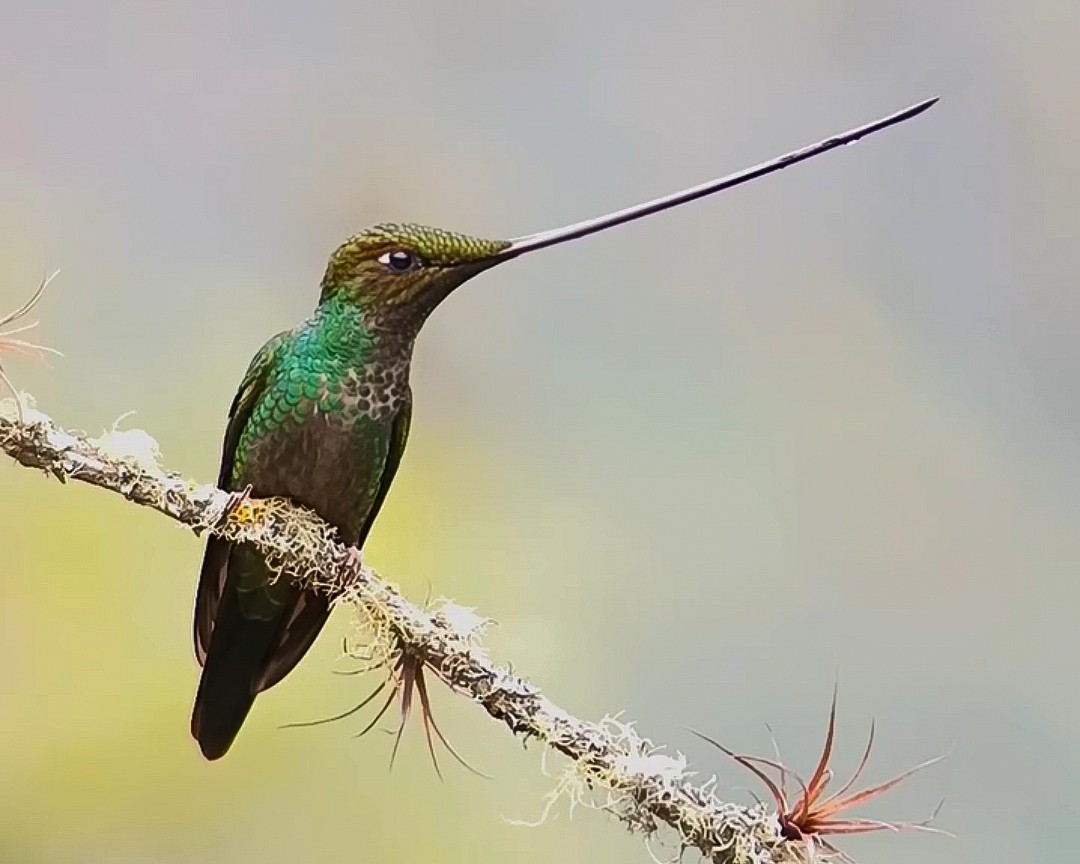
354, 558
235, 502
353, 567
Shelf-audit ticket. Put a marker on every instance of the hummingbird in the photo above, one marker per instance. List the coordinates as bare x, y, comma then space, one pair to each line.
322, 416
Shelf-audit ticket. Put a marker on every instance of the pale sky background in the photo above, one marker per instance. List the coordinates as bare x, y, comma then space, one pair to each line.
696, 467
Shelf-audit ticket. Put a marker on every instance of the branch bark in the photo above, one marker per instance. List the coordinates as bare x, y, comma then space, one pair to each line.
641, 785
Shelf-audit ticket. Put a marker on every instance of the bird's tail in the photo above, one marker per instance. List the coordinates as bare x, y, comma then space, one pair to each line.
248, 635
229, 682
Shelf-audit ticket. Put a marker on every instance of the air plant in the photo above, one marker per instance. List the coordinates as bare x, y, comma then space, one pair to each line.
406, 677
9, 344
813, 816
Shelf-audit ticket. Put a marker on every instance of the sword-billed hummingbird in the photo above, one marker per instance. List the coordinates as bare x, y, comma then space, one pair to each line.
322, 416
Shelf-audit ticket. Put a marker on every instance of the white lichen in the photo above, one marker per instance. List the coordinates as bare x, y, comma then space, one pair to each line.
463, 620
134, 446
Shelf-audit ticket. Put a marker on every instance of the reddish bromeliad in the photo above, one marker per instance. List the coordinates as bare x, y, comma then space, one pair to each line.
20, 346
813, 815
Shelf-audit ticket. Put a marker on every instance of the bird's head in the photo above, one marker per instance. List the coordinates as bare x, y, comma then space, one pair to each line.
406, 270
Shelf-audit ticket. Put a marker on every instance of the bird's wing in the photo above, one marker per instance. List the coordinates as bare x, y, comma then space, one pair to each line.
310, 609
216, 557
399, 434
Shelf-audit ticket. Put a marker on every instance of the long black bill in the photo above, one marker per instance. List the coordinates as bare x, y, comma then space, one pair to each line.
532, 242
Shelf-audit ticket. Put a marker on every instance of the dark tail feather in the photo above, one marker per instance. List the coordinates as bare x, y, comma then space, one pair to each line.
248, 640
229, 680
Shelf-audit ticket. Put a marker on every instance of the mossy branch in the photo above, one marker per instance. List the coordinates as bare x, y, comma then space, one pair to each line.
639, 783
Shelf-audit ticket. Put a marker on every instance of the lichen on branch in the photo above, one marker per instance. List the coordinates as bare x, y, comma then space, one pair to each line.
626, 774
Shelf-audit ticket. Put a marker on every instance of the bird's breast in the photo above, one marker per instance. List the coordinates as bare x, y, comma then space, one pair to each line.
328, 448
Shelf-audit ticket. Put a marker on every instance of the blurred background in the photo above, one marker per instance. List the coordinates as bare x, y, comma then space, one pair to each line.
696, 467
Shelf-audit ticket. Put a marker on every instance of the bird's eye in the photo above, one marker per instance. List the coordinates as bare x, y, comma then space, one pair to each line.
399, 261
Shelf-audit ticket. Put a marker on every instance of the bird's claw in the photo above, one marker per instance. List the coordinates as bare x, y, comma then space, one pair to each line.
354, 558
236, 500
